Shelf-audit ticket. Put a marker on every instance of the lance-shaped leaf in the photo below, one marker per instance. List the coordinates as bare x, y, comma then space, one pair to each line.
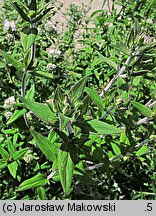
95, 97
19, 66
39, 17
116, 148
63, 121
30, 93
41, 110
47, 148
20, 11
28, 36
85, 104
77, 90
4, 153
143, 150
3, 163
36, 181
66, 169
12, 167
44, 74
97, 127
144, 110
20, 153
108, 61
84, 177
122, 48
16, 115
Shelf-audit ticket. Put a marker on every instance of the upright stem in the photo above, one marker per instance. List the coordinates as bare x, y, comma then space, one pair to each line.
121, 71
32, 56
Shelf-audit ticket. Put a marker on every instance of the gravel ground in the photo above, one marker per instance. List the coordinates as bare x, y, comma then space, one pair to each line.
95, 5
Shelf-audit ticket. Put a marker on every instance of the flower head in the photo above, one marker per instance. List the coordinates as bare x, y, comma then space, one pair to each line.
51, 67
9, 24
9, 102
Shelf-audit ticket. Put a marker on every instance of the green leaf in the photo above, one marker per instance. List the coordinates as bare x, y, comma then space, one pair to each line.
4, 153
143, 150
20, 11
144, 110
41, 193
41, 110
10, 131
3, 163
77, 90
66, 168
108, 61
84, 177
10, 146
97, 127
116, 148
20, 153
85, 105
30, 93
95, 12
63, 121
44, 74
16, 115
13, 168
95, 97
121, 48
39, 17
28, 36
37, 181
47, 148
19, 66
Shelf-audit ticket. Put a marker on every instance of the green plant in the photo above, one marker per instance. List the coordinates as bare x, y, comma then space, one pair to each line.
60, 132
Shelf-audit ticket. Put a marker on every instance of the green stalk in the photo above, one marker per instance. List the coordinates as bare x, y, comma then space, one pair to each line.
23, 82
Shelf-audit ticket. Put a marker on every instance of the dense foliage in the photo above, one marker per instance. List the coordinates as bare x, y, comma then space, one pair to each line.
78, 103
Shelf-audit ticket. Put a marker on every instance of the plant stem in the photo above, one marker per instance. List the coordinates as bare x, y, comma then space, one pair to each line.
52, 173
32, 56
128, 61
96, 166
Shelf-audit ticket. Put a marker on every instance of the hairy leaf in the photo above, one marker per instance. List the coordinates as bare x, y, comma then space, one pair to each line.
95, 97
20, 153
20, 11
13, 168
144, 110
108, 61
66, 168
28, 36
44, 74
41, 110
4, 153
47, 148
77, 90
19, 66
97, 127
16, 115
40, 16
36, 181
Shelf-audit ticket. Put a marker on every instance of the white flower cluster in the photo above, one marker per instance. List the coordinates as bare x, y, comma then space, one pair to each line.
51, 67
149, 21
10, 38
50, 27
9, 24
8, 115
55, 53
28, 157
9, 102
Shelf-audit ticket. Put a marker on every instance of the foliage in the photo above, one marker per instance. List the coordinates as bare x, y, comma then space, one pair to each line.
78, 105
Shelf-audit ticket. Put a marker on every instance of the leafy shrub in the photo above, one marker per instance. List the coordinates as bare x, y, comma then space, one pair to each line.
78, 115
